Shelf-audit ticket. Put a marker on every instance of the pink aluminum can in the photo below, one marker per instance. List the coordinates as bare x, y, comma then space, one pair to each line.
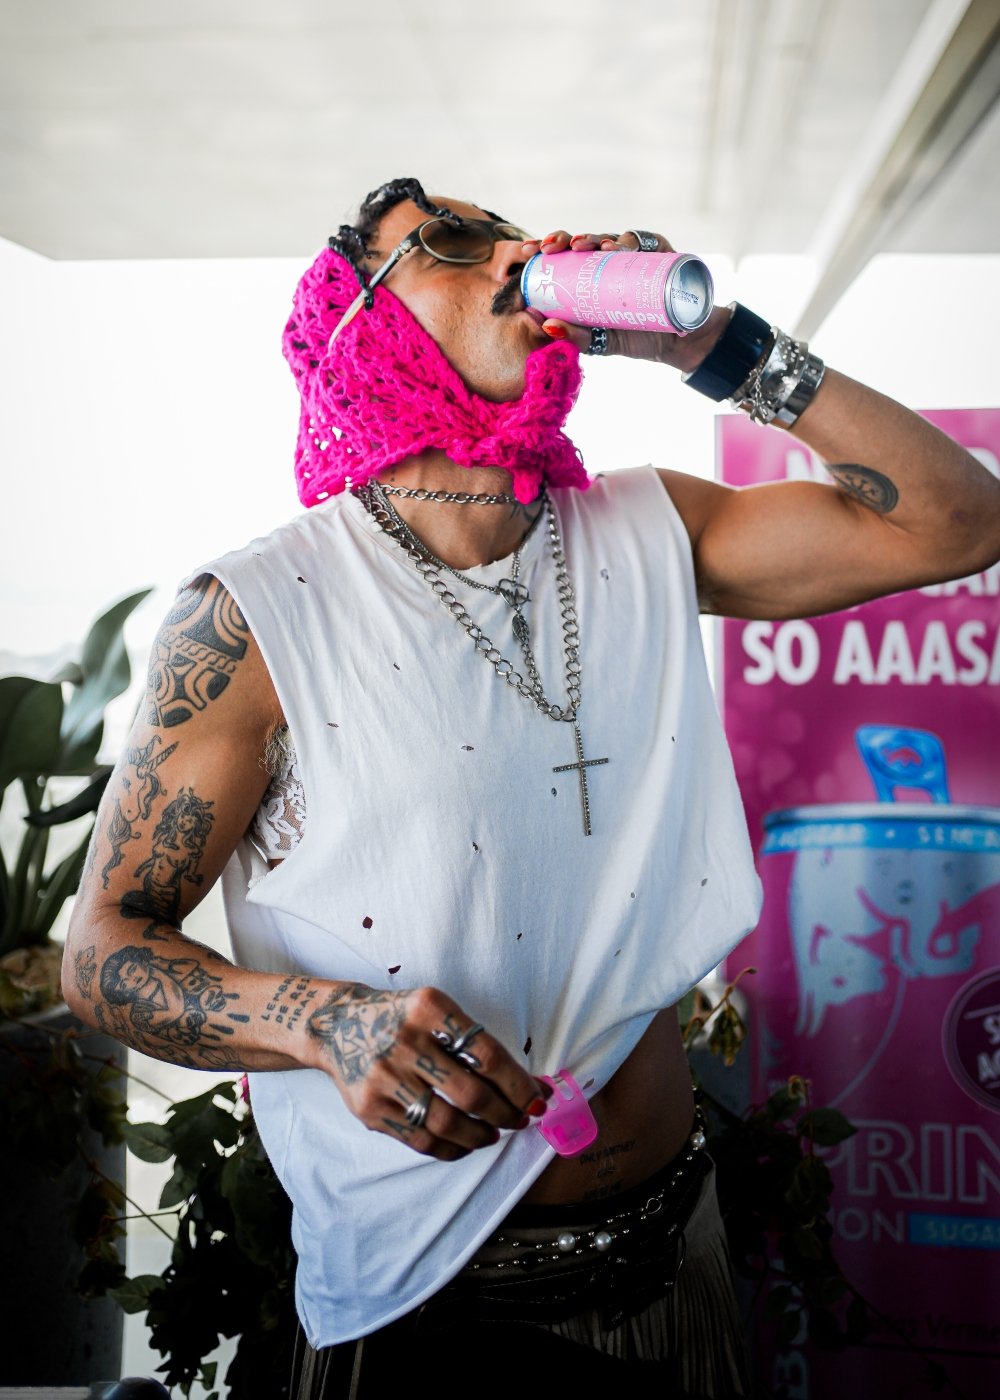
622, 290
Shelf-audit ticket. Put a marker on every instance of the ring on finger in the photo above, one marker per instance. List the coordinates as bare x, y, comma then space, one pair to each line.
598, 341
417, 1111
648, 242
455, 1045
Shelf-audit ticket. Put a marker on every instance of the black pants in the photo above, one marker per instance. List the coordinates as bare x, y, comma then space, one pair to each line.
684, 1341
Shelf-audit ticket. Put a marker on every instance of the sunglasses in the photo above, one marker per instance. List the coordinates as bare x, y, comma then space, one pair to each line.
471, 241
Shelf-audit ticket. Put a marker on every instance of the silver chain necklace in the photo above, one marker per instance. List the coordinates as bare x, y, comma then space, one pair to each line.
458, 498
372, 497
511, 590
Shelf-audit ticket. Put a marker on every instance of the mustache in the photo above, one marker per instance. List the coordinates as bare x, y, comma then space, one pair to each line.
507, 297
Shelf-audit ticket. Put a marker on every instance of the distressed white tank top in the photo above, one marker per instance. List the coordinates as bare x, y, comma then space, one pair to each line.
443, 849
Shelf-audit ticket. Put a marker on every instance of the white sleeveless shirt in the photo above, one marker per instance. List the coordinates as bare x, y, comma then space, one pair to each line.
442, 849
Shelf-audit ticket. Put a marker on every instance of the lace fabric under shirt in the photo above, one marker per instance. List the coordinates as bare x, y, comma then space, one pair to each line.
279, 822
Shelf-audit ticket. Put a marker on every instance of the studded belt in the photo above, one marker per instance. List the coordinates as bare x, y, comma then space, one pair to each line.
619, 1261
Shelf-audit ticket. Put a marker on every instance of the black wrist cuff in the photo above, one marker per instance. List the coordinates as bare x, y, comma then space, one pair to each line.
728, 364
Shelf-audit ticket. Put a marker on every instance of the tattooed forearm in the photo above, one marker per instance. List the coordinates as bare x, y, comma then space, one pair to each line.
290, 1001
196, 653
170, 999
358, 1025
114, 1022
141, 788
866, 485
178, 845
85, 966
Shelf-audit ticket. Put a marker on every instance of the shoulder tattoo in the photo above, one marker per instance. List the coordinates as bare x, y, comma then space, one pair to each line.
202, 641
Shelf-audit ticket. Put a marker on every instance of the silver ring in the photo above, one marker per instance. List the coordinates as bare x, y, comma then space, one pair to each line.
648, 242
417, 1111
455, 1045
598, 341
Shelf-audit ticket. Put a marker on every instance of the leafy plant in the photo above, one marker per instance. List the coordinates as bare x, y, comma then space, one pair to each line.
774, 1194
232, 1267
52, 729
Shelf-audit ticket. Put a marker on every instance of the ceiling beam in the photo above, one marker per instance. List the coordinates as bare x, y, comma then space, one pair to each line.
945, 86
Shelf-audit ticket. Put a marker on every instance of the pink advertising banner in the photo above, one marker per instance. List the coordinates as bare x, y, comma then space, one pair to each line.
867, 747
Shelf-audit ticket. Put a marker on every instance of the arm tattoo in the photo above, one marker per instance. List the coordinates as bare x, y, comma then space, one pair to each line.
866, 485
154, 1001
85, 965
141, 787
178, 846
359, 1026
290, 1001
202, 641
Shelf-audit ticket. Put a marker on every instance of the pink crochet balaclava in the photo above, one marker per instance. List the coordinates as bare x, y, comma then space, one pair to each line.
385, 391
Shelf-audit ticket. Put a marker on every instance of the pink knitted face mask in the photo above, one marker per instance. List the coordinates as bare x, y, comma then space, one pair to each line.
389, 392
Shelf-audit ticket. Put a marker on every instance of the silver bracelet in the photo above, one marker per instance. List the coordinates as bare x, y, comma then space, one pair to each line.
782, 383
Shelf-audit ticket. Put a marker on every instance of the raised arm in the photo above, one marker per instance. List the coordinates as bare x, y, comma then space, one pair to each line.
182, 795
907, 506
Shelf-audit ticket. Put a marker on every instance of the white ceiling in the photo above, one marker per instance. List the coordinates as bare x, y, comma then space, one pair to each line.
229, 128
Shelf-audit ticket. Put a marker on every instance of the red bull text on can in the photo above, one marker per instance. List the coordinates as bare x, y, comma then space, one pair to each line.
621, 290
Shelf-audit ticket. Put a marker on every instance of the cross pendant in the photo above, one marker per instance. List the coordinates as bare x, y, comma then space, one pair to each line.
580, 767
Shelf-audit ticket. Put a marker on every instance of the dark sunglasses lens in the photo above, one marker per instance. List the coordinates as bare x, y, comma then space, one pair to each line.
462, 241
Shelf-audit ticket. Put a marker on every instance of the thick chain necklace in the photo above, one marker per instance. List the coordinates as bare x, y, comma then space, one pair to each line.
372, 497
457, 498
514, 594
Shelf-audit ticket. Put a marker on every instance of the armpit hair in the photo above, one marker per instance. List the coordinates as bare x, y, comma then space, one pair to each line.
278, 748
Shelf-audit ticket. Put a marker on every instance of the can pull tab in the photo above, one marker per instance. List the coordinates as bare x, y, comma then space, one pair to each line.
912, 758
567, 1123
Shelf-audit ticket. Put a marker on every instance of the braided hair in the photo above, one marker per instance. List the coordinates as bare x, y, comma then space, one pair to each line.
354, 241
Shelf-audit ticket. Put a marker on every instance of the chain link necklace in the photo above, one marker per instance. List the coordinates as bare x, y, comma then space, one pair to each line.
511, 590
372, 497
458, 498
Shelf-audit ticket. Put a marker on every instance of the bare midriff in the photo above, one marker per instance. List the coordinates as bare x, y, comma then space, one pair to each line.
644, 1114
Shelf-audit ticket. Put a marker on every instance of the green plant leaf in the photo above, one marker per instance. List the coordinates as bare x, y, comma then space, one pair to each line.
180, 1186
85, 801
779, 1299
826, 1126
4, 891
30, 716
134, 1294
55, 890
788, 1326
858, 1321
150, 1142
106, 673
807, 1242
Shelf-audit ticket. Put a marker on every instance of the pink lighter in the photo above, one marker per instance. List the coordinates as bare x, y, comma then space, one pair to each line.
567, 1124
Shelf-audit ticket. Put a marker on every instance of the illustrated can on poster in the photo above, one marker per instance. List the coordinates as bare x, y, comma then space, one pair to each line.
867, 748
